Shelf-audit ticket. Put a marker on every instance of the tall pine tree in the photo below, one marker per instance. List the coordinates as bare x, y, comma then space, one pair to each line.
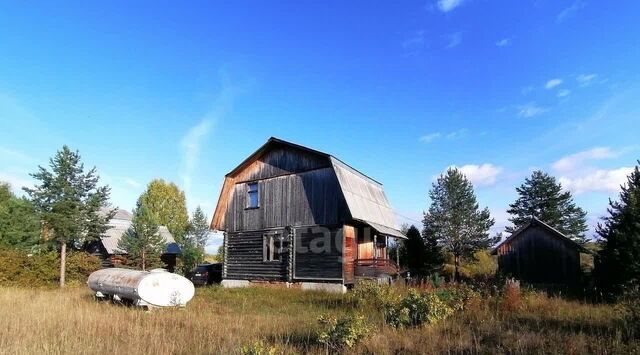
413, 252
69, 201
142, 242
454, 218
194, 242
541, 196
619, 259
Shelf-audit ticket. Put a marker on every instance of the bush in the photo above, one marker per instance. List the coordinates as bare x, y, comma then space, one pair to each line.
456, 297
629, 308
511, 300
17, 268
416, 309
343, 332
369, 292
259, 348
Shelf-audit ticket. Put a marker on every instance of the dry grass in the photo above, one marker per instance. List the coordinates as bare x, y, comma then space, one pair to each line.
220, 321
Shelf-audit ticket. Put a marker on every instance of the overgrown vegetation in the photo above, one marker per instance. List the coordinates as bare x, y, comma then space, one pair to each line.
18, 268
285, 321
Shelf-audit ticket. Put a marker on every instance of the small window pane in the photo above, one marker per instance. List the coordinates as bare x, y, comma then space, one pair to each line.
254, 197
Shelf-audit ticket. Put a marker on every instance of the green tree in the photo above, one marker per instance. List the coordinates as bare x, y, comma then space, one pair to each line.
195, 241
142, 241
413, 252
541, 196
167, 202
68, 200
455, 219
220, 254
619, 259
19, 221
434, 258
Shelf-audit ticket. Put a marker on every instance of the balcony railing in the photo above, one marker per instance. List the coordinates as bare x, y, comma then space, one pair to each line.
375, 267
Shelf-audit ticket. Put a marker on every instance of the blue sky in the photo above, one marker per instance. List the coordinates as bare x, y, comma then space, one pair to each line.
400, 91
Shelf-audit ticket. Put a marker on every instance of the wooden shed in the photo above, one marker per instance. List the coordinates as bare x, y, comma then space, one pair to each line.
538, 253
293, 214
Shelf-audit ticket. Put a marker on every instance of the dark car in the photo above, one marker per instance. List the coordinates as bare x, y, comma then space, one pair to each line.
207, 274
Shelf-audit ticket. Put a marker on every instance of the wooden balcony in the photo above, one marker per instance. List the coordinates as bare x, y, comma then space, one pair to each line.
374, 268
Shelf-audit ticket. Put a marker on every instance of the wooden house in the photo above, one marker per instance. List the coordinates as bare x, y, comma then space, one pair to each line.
538, 253
107, 247
296, 215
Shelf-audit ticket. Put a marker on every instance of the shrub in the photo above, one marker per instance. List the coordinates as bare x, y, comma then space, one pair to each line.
259, 348
483, 266
511, 300
629, 308
416, 309
343, 332
17, 268
456, 297
369, 292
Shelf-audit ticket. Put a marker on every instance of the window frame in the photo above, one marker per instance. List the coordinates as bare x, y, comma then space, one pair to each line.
251, 191
272, 247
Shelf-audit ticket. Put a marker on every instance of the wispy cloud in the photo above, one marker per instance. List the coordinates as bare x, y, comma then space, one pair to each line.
598, 180
481, 175
448, 5
417, 40
563, 93
503, 42
552, 83
531, 109
570, 11
570, 162
428, 138
586, 79
453, 39
527, 89
192, 141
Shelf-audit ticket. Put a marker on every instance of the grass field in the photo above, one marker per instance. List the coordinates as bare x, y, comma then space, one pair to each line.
222, 321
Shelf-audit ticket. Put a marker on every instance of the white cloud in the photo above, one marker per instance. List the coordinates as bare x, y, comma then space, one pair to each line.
527, 89
586, 79
530, 110
598, 180
481, 175
454, 39
503, 42
552, 83
428, 138
448, 5
17, 181
569, 11
415, 41
191, 143
573, 161
563, 93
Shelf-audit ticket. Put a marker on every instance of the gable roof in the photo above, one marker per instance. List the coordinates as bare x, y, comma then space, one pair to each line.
119, 225
364, 196
537, 222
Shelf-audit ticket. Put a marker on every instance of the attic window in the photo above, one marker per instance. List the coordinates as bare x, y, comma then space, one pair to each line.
253, 199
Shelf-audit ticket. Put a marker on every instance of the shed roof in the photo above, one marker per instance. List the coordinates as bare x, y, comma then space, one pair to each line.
364, 196
556, 233
119, 225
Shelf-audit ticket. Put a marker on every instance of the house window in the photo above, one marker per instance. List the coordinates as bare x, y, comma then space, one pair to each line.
272, 247
253, 197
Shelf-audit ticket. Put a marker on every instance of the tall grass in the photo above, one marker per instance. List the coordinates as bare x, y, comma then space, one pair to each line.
222, 321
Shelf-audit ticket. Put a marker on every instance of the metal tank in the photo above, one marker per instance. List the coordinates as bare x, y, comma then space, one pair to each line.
157, 288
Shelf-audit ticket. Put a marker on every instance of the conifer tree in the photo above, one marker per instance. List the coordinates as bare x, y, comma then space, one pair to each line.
619, 259
142, 241
541, 196
413, 252
194, 242
19, 222
69, 202
454, 218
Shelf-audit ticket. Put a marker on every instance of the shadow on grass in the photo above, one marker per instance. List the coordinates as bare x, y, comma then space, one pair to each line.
565, 327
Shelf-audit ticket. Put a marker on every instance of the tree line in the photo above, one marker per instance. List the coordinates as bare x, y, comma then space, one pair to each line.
68, 209
455, 225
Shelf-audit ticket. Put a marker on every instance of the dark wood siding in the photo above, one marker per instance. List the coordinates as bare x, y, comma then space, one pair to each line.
538, 256
303, 199
244, 258
318, 254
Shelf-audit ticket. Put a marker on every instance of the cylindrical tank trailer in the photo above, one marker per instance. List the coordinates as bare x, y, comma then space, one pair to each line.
157, 288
